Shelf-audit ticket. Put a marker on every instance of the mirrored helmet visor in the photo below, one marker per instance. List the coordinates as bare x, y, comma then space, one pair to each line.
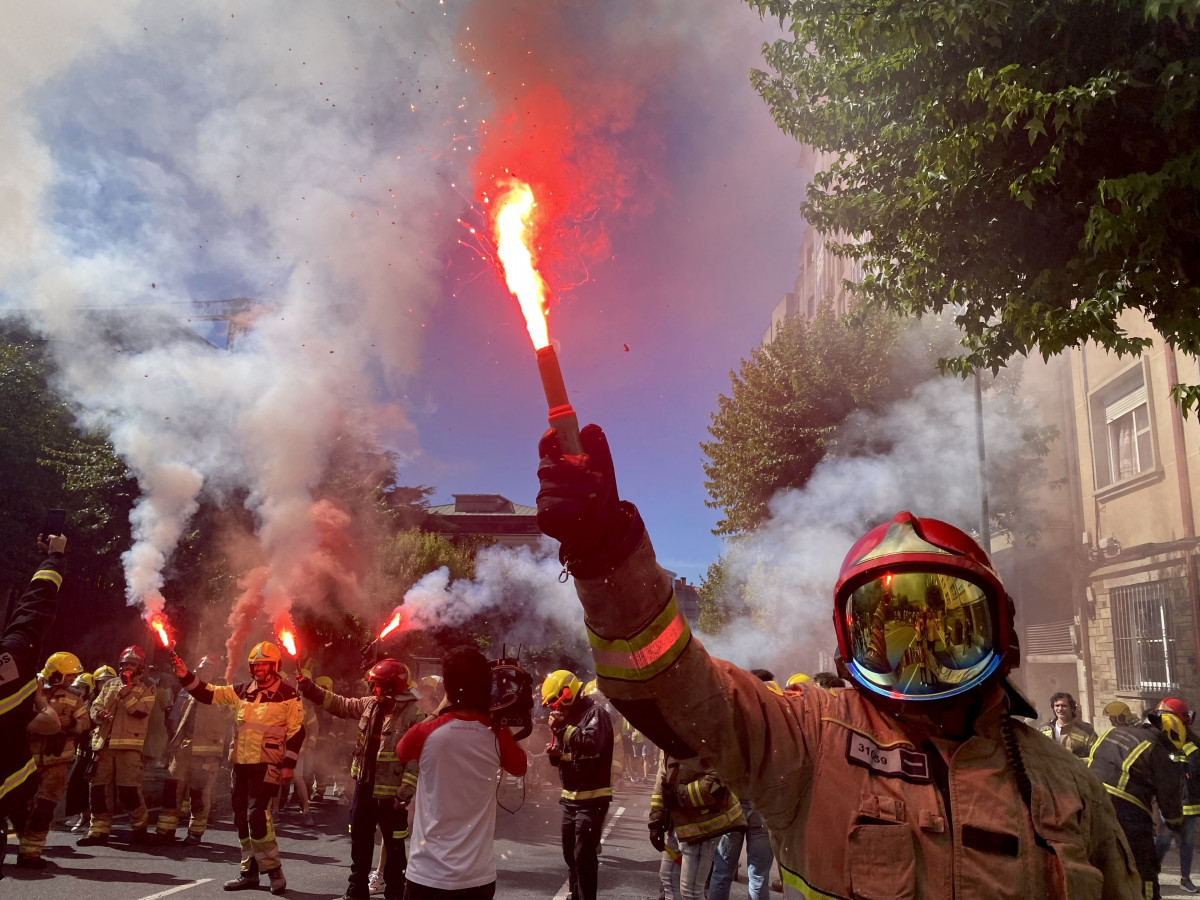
920, 635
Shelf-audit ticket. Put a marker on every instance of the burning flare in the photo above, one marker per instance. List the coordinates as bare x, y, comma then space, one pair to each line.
288, 639
391, 626
513, 211
159, 623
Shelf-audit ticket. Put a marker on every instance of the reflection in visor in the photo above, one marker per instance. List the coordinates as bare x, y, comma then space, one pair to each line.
921, 634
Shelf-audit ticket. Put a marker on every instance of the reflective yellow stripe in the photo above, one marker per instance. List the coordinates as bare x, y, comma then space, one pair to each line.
47, 575
409, 778
385, 790
17, 778
1126, 796
587, 795
1191, 810
400, 835
126, 743
12, 701
693, 792
647, 653
1128, 764
794, 881
709, 826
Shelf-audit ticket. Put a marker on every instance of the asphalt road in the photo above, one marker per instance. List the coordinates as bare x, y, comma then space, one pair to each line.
317, 860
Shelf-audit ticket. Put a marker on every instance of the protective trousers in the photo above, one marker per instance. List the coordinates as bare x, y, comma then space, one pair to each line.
252, 796
192, 778
367, 812
14, 809
581, 830
51, 787
77, 784
1139, 830
124, 769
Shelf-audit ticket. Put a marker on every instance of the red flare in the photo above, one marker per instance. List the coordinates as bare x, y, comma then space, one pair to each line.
288, 639
159, 623
391, 626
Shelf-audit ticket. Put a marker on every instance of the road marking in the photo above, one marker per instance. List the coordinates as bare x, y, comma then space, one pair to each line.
176, 890
566, 888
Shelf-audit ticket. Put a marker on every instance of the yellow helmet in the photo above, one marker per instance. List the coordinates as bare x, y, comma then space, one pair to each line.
61, 666
591, 688
793, 683
324, 682
84, 685
1172, 726
104, 673
560, 689
1119, 711
265, 651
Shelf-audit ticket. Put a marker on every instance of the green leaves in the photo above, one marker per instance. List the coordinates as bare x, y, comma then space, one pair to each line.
1033, 164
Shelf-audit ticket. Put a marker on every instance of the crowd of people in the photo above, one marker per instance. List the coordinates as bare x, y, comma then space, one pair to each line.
902, 775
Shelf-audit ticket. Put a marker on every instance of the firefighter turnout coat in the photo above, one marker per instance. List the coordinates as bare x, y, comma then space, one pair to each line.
59, 749
268, 722
130, 721
859, 802
1135, 763
20, 660
585, 737
692, 797
392, 777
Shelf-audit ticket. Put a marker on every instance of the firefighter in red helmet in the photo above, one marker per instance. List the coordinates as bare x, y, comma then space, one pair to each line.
927, 784
384, 786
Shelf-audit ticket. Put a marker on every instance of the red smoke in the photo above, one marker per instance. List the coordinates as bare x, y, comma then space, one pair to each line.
567, 97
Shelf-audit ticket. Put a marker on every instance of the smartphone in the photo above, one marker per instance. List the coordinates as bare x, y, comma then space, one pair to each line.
56, 519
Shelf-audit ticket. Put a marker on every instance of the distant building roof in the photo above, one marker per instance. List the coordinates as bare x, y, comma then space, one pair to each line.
487, 515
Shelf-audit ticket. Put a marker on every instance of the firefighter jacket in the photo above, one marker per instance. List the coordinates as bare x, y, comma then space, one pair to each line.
203, 729
1134, 763
859, 802
585, 738
1077, 737
1189, 760
59, 749
692, 797
268, 721
20, 660
391, 777
130, 716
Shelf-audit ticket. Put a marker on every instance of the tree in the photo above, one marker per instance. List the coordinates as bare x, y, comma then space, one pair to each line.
786, 402
1033, 166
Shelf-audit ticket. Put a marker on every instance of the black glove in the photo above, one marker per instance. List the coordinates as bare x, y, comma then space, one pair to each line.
578, 505
304, 684
658, 838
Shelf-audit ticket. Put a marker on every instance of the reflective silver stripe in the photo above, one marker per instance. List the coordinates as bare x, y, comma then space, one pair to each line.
11, 702
17, 778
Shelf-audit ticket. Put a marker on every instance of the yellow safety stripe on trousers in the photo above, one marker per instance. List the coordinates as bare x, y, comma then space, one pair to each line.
587, 795
797, 883
652, 651
12, 701
17, 778
1126, 796
47, 575
709, 826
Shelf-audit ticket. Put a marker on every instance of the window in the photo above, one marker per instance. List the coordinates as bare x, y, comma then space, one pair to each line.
1143, 638
1127, 421
1122, 429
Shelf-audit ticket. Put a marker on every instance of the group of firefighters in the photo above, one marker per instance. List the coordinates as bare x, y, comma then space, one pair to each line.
916, 777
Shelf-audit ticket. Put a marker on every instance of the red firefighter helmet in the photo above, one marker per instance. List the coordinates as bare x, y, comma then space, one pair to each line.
920, 614
132, 658
1178, 707
391, 675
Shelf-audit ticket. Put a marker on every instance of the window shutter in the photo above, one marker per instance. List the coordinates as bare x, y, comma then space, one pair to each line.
1123, 405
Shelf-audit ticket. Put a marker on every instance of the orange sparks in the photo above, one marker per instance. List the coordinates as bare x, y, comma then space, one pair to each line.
513, 211
159, 624
390, 626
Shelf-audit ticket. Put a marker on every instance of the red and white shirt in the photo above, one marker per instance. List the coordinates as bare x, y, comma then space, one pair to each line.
454, 816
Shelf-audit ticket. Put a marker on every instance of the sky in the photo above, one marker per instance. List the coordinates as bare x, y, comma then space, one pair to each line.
331, 165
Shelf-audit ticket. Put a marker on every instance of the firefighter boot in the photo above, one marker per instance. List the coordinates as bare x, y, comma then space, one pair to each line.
278, 882
245, 881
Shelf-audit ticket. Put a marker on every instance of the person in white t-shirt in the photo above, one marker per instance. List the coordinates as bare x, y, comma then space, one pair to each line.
461, 753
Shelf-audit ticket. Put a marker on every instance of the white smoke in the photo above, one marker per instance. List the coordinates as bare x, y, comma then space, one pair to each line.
928, 465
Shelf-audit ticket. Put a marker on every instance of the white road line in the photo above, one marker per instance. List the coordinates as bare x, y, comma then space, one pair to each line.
176, 890
566, 888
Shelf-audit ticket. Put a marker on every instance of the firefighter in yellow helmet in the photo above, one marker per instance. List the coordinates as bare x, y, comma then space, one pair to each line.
927, 783
269, 730
796, 683
53, 752
122, 712
1135, 764
195, 749
1119, 713
581, 747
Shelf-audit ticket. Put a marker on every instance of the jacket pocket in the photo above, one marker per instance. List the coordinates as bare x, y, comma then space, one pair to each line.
881, 862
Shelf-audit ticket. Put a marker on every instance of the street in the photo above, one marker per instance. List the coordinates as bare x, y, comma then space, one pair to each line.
317, 860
